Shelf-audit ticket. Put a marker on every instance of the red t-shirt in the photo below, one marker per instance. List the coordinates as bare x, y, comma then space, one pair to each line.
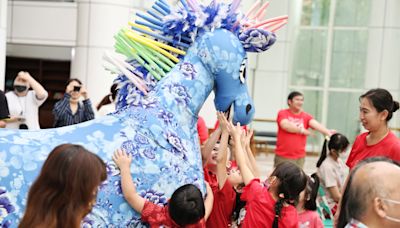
310, 219
157, 216
260, 208
224, 203
388, 147
211, 178
292, 145
202, 130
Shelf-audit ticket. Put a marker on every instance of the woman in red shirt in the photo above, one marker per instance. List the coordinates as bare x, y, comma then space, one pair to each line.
273, 206
376, 109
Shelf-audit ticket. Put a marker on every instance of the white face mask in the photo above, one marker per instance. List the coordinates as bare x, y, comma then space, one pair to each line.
343, 155
388, 217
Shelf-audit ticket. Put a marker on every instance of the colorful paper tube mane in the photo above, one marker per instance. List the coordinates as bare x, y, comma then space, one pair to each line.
173, 57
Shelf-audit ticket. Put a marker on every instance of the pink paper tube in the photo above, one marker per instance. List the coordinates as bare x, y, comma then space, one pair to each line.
280, 18
261, 11
235, 5
279, 26
253, 7
270, 25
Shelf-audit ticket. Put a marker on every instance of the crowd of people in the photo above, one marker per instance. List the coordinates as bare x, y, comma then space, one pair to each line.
66, 188
20, 107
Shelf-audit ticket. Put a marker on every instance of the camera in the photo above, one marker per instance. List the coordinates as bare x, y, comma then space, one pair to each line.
77, 88
23, 126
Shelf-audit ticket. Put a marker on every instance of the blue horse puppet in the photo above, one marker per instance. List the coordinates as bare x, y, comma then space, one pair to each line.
157, 124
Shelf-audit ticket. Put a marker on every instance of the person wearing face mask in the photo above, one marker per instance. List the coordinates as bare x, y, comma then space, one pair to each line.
293, 124
70, 110
331, 168
24, 104
371, 197
376, 109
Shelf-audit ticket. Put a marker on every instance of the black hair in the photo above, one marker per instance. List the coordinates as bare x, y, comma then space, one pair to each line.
109, 98
239, 204
311, 192
73, 79
186, 205
337, 142
292, 181
294, 94
353, 203
382, 100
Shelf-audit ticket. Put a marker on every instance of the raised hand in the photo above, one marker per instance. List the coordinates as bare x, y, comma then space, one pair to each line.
223, 122
122, 159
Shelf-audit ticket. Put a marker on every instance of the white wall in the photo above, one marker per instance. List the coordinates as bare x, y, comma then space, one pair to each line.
3, 30
42, 23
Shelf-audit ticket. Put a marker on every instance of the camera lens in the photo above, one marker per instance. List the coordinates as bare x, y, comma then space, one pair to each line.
23, 126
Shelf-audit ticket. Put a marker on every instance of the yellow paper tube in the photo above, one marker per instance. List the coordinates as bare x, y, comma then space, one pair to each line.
145, 41
165, 46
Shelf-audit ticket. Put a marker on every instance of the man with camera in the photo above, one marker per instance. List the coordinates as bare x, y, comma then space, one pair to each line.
70, 110
24, 104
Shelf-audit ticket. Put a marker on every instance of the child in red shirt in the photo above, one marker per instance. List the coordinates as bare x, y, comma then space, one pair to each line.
274, 206
185, 208
307, 206
226, 178
224, 194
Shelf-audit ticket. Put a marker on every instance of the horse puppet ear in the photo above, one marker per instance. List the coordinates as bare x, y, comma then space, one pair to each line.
256, 39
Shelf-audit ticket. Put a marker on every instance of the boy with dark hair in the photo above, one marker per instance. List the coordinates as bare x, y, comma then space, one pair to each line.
185, 208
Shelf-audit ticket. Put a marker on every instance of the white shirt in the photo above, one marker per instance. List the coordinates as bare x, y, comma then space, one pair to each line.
106, 109
332, 173
27, 107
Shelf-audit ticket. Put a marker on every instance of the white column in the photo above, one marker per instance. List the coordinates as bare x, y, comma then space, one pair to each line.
3, 41
98, 21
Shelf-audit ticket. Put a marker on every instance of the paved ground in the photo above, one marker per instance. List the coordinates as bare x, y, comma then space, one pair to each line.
265, 163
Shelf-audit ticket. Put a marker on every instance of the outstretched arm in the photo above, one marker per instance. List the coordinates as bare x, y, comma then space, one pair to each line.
222, 156
292, 128
209, 145
123, 162
236, 132
321, 128
250, 157
208, 202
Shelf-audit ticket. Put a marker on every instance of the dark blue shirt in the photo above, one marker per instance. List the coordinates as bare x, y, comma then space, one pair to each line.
63, 115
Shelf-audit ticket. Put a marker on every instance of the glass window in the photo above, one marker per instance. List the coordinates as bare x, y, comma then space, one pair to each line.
313, 105
343, 110
349, 55
352, 12
309, 58
315, 12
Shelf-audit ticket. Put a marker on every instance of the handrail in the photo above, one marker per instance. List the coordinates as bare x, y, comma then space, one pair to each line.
395, 129
264, 120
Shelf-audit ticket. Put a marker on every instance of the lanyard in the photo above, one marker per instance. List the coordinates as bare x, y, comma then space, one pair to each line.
23, 107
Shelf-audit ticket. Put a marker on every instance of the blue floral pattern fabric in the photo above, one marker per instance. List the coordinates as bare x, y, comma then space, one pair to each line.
158, 130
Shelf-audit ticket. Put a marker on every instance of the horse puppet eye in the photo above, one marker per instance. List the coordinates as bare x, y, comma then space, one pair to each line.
242, 72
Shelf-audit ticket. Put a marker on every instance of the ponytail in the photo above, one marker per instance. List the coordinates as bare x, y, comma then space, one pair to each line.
311, 193
323, 153
109, 98
105, 101
278, 210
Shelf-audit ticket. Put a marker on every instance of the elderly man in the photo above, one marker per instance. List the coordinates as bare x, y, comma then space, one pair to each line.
372, 196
